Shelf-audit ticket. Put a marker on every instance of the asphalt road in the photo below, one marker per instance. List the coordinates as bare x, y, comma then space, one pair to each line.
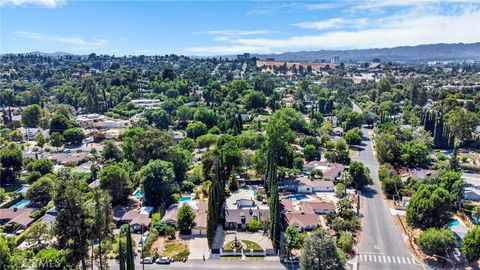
211, 264
382, 245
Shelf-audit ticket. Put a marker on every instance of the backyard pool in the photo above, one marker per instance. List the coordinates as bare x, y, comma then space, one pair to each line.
185, 199
453, 223
138, 194
20, 204
297, 197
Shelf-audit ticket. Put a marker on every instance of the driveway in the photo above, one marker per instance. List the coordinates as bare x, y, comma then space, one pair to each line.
198, 246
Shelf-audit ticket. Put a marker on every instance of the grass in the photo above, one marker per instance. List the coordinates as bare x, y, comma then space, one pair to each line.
177, 251
252, 245
228, 246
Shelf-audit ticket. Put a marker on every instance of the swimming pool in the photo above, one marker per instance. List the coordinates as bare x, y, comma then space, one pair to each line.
185, 199
297, 197
20, 204
138, 194
453, 223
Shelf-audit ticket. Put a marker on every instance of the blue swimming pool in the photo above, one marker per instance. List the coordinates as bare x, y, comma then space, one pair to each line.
297, 197
20, 204
185, 198
138, 194
453, 223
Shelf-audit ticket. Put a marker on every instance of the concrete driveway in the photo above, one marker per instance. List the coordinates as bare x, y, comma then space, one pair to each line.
198, 246
257, 237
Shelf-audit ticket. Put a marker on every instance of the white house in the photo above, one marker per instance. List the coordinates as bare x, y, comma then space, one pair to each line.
306, 185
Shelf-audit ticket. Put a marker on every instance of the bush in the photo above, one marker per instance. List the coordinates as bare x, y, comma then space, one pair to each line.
170, 232
436, 241
345, 242
254, 225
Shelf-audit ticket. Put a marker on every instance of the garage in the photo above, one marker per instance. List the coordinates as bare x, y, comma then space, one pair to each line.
199, 231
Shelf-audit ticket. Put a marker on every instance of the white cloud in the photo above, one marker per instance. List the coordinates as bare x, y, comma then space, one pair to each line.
237, 32
41, 3
77, 42
333, 23
400, 30
322, 6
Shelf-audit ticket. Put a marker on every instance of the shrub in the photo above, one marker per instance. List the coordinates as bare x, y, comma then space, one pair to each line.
254, 225
436, 241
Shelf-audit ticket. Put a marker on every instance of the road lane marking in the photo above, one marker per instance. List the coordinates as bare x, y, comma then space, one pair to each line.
393, 258
408, 261
403, 260
388, 257
384, 259
369, 258
374, 258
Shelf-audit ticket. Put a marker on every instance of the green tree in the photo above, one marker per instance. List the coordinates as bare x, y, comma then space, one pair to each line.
233, 182
293, 238
158, 180
388, 149
11, 162
89, 89
116, 181
414, 154
254, 100
73, 135
359, 173
462, 123
437, 241
196, 129
104, 225
74, 222
320, 253
185, 217
430, 206
353, 120
111, 151
51, 259
354, 136
56, 139
471, 245
59, 123
311, 152
41, 191
31, 115
43, 166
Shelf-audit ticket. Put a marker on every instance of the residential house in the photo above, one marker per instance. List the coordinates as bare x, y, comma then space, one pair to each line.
199, 226
69, 158
241, 207
237, 219
306, 185
331, 171
16, 218
302, 221
319, 208
138, 218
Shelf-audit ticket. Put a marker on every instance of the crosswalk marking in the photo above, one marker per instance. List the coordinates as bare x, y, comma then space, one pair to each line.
385, 259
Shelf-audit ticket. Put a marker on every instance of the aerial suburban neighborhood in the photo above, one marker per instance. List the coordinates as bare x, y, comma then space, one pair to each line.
336, 159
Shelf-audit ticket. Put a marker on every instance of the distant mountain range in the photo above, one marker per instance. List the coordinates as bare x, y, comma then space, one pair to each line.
407, 54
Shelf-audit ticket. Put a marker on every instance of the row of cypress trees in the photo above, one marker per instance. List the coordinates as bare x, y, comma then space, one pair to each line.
216, 196
126, 258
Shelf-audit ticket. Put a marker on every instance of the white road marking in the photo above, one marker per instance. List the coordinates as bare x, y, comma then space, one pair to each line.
374, 258
403, 260
393, 258
408, 261
384, 259
388, 257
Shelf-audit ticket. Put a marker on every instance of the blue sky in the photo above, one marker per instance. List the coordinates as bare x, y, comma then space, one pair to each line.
231, 27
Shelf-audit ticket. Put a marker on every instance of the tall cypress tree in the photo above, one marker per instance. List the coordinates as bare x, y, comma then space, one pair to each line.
121, 255
216, 196
129, 259
274, 208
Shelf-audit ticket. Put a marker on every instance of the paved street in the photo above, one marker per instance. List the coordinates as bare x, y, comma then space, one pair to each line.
381, 246
211, 265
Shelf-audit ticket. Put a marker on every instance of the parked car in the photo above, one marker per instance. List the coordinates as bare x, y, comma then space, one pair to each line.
163, 260
292, 259
147, 260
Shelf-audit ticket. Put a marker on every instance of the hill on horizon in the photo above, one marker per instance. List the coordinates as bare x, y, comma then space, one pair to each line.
408, 54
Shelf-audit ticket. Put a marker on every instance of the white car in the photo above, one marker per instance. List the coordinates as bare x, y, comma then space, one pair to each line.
163, 260
146, 260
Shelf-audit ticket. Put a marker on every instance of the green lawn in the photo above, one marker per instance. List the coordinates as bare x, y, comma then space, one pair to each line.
177, 251
252, 245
